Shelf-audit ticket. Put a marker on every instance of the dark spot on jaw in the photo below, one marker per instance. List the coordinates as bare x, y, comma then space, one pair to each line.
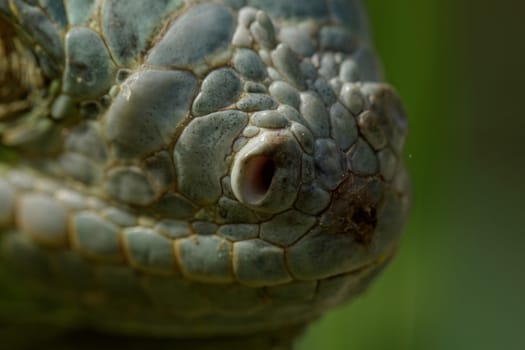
354, 209
364, 221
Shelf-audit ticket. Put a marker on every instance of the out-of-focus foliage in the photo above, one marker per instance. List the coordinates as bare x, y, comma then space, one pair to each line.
458, 280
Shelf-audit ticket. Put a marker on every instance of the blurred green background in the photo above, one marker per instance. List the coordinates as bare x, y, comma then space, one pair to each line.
458, 281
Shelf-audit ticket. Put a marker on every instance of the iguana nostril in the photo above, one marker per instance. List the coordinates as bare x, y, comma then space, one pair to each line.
260, 171
266, 172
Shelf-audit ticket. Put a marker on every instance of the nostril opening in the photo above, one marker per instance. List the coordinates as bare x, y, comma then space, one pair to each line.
266, 172
260, 172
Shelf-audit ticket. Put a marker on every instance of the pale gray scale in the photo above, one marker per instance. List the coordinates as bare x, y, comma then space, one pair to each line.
173, 228
336, 85
249, 64
231, 211
219, 89
159, 170
86, 139
291, 114
129, 185
269, 120
386, 104
174, 206
79, 11
256, 88
95, 203
128, 25
344, 130
352, 98
266, 57
80, 168
95, 236
119, 216
298, 39
349, 71
148, 250
199, 33
205, 259
7, 203
329, 163
63, 107
207, 214
247, 15
45, 186
259, 263
227, 186
263, 31
309, 70
328, 67
144, 116
204, 228
320, 255
239, 143
286, 94
202, 148
287, 63
256, 102
374, 128
315, 113
89, 69
238, 232
250, 131
70, 199
325, 91
304, 136
242, 37
361, 159
42, 218
337, 39
274, 74
284, 229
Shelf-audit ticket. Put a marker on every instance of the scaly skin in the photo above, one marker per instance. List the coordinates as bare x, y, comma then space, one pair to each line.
193, 168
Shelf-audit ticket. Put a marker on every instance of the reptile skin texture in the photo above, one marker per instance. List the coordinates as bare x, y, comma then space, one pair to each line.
191, 168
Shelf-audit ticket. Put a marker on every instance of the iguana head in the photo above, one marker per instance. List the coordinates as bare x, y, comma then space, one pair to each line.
253, 148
